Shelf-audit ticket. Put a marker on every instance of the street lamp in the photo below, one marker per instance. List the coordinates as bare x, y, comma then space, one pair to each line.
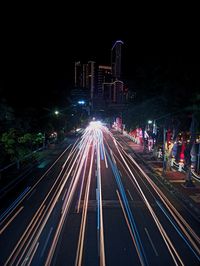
56, 112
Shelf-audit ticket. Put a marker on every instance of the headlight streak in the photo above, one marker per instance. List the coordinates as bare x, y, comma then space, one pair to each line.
27, 192
81, 161
106, 163
67, 203
167, 240
79, 254
95, 133
33, 226
177, 229
91, 138
179, 232
130, 229
166, 202
13, 217
24, 237
30, 256
175, 214
138, 242
13, 206
81, 189
72, 151
100, 208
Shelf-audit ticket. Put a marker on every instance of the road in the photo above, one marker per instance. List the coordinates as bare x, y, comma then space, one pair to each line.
96, 205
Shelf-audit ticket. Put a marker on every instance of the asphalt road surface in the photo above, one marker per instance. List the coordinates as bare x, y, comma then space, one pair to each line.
96, 205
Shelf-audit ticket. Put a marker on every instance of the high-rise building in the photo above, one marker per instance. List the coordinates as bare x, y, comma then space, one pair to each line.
116, 60
104, 76
107, 93
106, 89
118, 87
91, 79
85, 77
78, 74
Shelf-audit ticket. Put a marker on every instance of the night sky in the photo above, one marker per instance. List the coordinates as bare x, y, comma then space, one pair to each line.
37, 56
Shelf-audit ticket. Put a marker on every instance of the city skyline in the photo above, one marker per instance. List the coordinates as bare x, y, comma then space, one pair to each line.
104, 82
46, 68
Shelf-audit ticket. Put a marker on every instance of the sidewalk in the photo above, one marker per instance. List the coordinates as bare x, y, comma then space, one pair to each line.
173, 178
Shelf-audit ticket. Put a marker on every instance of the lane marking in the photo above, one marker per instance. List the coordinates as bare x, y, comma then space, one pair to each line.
46, 242
31, 194
150, 240
129, 194
33, 253
130, 230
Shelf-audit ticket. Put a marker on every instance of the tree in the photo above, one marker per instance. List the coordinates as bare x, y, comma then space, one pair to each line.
17, 145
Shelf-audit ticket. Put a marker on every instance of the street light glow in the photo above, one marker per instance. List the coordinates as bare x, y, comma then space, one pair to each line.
81, 102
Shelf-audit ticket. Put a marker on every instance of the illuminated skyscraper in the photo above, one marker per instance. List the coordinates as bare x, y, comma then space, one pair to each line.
116, 60
85, 77
91, 79
106, 88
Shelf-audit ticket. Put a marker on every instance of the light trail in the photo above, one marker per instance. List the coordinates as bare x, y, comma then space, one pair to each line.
33, 226
24, 237
27, 192
187, 230
169, 207
102, 247
130, 229
79, 254
132, 223
93, 152
13, 206
67, 202
7, 224
90, 138
166, 239
81, 189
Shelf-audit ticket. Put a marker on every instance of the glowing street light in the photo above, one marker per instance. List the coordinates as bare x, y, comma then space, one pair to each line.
81, 102
56, 112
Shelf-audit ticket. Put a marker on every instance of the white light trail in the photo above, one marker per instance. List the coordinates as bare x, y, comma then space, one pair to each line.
186, 229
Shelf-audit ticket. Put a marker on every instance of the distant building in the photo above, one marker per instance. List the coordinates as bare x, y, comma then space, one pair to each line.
91, 77
104, 76
78, 73
116, 60
117, 95
107, 93
85, 83
106, 89
85, 77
